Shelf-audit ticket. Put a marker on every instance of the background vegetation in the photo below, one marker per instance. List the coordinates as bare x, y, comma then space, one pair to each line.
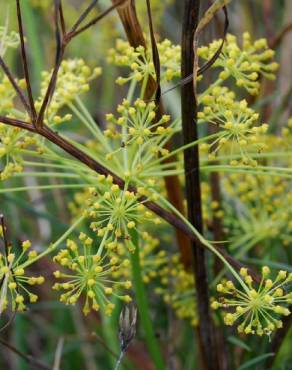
91, 342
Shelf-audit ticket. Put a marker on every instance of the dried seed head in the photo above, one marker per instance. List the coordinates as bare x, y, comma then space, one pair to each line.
127, 325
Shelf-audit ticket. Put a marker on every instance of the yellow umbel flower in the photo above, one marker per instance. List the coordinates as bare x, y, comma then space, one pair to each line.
115, 212
140, 136
258, 309
245, 63
91, 274
140, 61
237, 122
12, 141
14, 281
73, 80
8, 94
263, 211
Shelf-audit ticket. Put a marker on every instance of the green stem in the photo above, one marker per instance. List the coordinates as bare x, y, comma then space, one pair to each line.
144, 86
143, 306
254, 171
287, 154
49, 174
187, 146
90, 127
44, 187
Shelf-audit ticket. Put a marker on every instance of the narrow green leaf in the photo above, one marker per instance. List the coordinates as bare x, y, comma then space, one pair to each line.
256, 360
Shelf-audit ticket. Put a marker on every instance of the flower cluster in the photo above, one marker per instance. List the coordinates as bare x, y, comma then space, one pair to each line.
91, 274
140, 134
11, 138
12, 141
244, 64
178, 290
237, 121
74, 77
139, 60
115, 212
257, 309
7, 96
269, 220
14, 282
170, 59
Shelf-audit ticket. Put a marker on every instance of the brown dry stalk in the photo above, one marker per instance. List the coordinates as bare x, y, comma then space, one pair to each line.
208, 345
128, 15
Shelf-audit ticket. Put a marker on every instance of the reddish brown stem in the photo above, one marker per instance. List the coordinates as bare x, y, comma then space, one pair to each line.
208, 345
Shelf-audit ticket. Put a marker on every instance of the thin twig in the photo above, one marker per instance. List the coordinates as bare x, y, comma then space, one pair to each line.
58, 354
83, 15
120, 359
155, 54
29, 359
60, 49
279, 37
14, 84
96, 19
33, 113
62, 19
106, 347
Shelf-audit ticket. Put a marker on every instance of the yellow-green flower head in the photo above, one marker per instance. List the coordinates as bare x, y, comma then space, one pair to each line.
178, 290
140, 61
74, 77
10, 170
245, 63
12, 140
263, 212
140, 134
115, 212
257, 310
8, 95
91, 275
240, 132
14, 282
